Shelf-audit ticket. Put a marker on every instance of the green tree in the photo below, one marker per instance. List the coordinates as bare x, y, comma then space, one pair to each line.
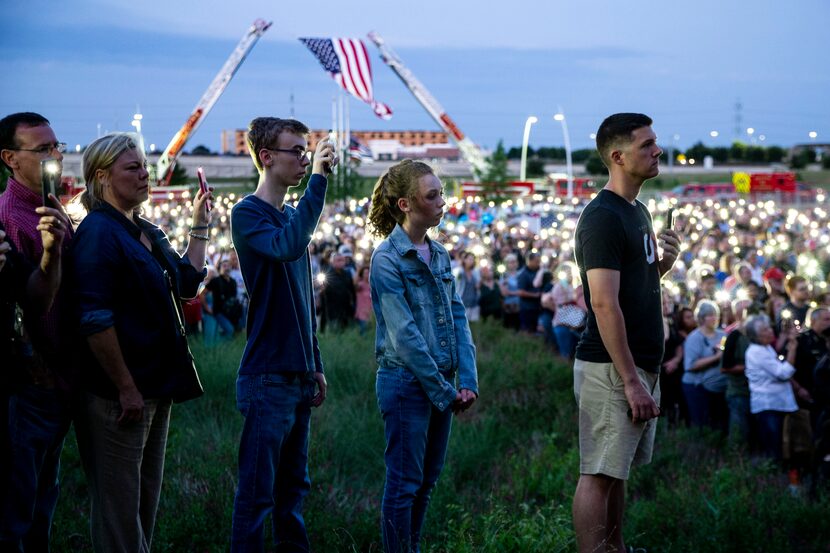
516, 153
756, 154
720, 154
737, 151
495, 178
799, 160
594, 165
698, 151
535, 167
578, 156
179, 175
825, 161
201, 150
775, 154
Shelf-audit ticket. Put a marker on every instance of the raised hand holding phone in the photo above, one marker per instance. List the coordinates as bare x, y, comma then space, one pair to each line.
325, 159
203, 186
50, 180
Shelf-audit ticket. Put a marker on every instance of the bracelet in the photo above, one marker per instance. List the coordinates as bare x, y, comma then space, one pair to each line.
200, 227
198, 236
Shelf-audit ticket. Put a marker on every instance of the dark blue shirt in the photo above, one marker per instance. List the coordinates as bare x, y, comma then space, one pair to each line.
120, 284
272, 246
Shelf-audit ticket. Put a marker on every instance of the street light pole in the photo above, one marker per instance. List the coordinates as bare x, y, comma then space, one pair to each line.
136, 122
523, 169
560, 116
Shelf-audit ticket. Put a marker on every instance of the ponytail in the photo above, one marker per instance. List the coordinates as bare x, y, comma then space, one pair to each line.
399, 181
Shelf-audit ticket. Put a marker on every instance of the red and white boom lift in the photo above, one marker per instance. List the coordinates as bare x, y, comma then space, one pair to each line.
168, 159
471, 152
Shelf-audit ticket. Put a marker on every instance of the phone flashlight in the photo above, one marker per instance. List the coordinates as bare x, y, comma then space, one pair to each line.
50, 175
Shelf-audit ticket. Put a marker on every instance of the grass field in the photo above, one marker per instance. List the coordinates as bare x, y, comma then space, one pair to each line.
507, 485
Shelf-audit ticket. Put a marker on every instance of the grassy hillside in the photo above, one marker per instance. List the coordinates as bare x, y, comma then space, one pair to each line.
508, 482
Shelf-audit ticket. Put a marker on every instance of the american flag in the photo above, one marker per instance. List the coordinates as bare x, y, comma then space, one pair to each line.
347, 62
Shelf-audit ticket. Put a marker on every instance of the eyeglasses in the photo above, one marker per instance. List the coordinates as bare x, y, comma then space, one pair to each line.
299, 154
44, 150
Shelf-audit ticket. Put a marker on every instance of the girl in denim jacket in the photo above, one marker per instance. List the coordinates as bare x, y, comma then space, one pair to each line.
422, 345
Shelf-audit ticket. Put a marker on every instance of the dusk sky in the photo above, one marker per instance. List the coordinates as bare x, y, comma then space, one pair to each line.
491, 64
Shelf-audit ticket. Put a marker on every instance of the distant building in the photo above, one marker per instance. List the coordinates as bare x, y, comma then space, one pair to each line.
234, 142
384, 145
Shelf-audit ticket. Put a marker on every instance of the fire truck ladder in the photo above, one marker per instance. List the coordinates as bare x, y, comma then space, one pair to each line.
168, 159
469, 150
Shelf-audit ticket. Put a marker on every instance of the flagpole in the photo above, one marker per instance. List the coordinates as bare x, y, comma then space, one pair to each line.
333, 129
347, 146
341, 174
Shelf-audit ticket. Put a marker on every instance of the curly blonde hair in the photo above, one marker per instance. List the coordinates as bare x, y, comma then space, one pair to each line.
399, 181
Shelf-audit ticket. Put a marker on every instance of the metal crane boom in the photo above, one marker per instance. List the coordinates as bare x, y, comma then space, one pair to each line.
471, 152
209, 98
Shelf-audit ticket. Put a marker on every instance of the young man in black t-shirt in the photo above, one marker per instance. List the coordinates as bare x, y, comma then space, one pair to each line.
619, 354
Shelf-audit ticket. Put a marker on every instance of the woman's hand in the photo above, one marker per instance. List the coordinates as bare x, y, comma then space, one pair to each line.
132, 405
201, 215
464, 399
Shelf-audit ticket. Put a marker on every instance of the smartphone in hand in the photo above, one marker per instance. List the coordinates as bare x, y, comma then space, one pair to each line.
332, 139
203, 186
670, 219
50, 180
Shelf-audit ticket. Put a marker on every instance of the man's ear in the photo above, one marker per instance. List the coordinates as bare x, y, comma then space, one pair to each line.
403, 205
8, 157
616, 157
265, 158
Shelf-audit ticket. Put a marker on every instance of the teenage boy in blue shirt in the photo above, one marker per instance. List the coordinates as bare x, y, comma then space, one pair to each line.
281, 373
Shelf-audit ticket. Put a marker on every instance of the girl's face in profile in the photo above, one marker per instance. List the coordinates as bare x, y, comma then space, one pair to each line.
427, 204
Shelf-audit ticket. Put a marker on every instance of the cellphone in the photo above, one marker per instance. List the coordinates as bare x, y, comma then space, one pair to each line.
332, 139
670, 219
50, 180
203, 185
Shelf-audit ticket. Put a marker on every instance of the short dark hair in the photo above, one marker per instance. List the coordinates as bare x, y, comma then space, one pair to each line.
9, 124
617, 129
263, 132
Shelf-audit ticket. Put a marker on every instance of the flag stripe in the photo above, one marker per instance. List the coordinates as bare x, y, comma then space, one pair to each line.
348, 63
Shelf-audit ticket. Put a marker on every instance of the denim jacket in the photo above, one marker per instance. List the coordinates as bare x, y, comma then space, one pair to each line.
421, 322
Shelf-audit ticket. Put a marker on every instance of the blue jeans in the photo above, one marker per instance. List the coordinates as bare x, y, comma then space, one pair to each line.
738, 419
771, 432
417, 434
273, 460
225, 325
566, 340
546, 322
209, 329
698, 403
39, 420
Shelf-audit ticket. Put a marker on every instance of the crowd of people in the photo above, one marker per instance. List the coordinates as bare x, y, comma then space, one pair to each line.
745, 321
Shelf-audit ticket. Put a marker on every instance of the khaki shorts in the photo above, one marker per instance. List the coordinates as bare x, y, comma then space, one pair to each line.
609, 443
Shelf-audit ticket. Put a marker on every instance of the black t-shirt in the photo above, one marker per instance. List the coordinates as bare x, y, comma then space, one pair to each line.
525, 281
224, 297
614, 234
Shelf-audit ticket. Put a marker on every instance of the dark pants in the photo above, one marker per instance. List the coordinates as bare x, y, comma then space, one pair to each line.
417, 434
273, 461
124, 466
529, 320
771, 432
38, 422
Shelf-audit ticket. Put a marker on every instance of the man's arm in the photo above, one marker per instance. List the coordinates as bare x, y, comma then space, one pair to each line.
605, 288
44, 281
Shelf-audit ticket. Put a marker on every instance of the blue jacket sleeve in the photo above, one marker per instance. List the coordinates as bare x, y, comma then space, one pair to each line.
387, 285
467, 373
95, 260
189, 278
286, 243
